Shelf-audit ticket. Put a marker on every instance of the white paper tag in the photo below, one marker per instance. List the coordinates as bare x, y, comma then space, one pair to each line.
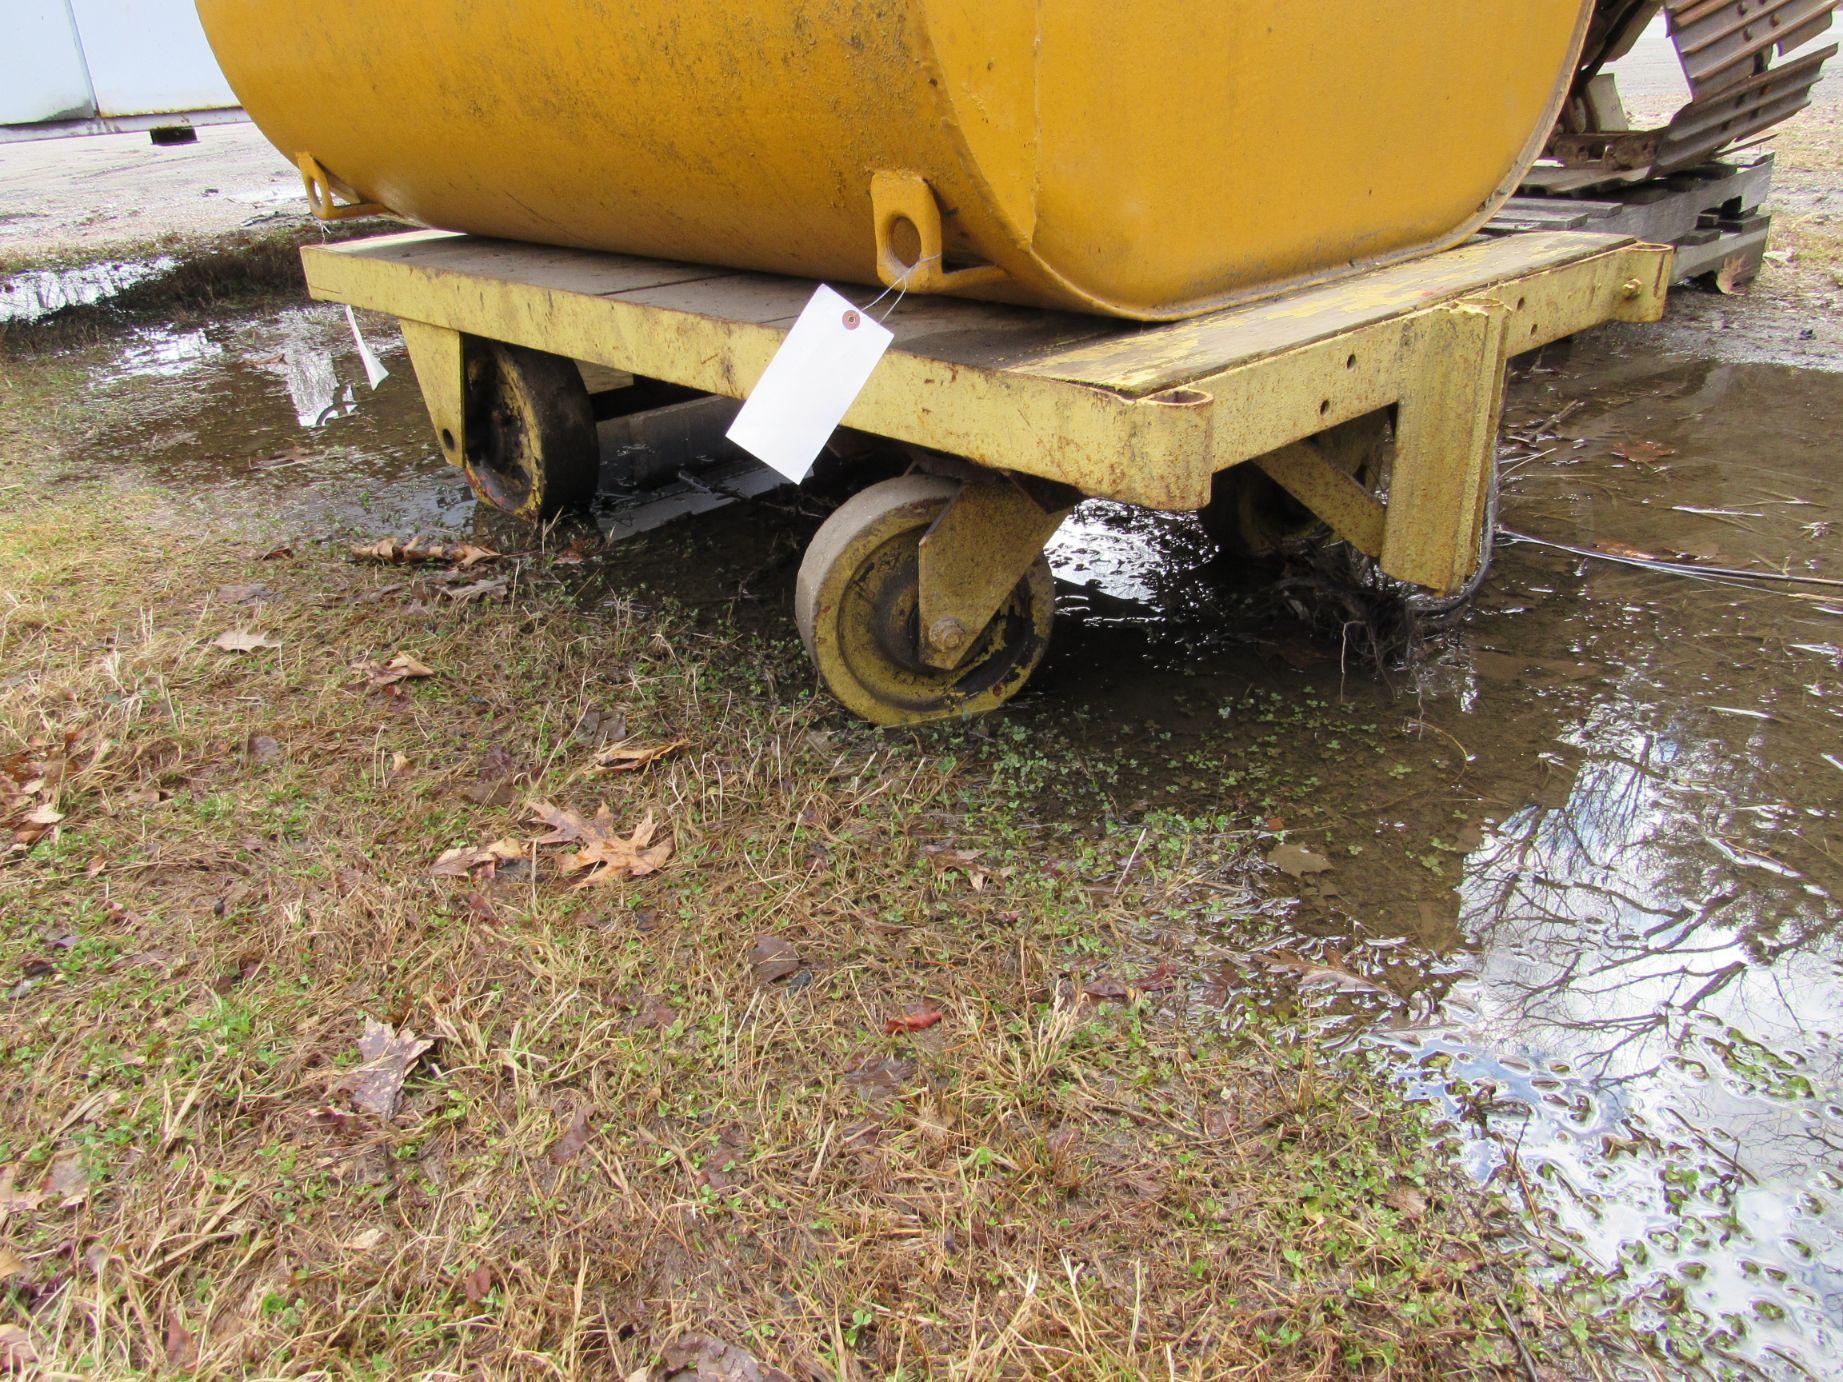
810, 384
375, 372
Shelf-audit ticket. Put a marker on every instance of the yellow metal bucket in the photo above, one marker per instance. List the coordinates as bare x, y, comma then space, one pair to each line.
1141, 158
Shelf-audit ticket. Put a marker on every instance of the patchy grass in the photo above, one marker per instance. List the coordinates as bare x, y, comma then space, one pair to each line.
634, 1136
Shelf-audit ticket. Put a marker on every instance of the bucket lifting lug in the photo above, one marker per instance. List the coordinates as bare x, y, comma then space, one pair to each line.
324, 192
910, 240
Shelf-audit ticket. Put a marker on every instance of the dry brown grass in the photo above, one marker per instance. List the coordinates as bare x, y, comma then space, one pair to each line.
1040, 1184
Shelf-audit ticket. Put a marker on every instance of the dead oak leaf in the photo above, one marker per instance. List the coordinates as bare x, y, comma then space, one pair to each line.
616, 856
243, 641
476, 590
394, 553
16, 1351
181, 1351
469, 555
630, 758
387, 1056
773, 958
566, 827
915, 1020
604, 848
1296, 861
12, 1199
477, 1284
1308, 972
572, 1139
402, 667
476, 861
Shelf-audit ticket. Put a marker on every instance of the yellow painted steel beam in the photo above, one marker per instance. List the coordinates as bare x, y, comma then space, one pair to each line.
973, 556
1145, 416
437, 354
1338, 497
1445, 445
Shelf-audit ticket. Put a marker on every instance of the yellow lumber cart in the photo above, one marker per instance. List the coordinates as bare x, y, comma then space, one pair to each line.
1370, 405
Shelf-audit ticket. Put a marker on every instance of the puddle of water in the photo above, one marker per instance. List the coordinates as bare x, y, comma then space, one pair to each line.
1591, 847
274, 402
26, 297
1600, 850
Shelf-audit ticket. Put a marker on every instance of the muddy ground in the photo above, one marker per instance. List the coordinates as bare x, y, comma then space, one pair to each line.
1249, 1006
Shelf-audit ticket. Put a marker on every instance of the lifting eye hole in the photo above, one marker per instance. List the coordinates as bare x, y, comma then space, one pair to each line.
905, 241
1351, 363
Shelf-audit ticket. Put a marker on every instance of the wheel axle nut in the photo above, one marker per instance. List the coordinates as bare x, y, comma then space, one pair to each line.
948, 634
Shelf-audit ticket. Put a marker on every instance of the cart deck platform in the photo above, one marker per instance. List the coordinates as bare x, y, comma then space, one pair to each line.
1411, 356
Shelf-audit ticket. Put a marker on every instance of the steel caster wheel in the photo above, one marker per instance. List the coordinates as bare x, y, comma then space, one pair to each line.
530, 432
857, 600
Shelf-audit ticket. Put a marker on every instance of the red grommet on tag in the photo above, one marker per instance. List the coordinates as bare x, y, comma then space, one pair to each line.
851, 321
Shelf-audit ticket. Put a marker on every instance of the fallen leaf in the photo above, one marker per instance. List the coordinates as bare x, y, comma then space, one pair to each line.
915, 1020
402, 667
629, 758
566, 827
281, 553
364, 1242
180, 1352
1614, 548
1644, 452
253, 593
701, 1358
1297, 861
467, 554
461, 594
879, 1077
16, 1351
14, 1200
262, 748
605, 850
477, 861
66, 1182
481, 908
653, 1013
1105, 990
477, 1284
243, 641
773, 958
11, 1263
1411, 1204
572, 1139
1336, 975
376, 1086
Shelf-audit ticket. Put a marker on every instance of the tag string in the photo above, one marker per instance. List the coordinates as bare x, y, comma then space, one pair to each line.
900, 288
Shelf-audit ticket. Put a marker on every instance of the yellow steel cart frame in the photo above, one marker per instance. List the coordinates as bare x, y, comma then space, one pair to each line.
1045, 407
